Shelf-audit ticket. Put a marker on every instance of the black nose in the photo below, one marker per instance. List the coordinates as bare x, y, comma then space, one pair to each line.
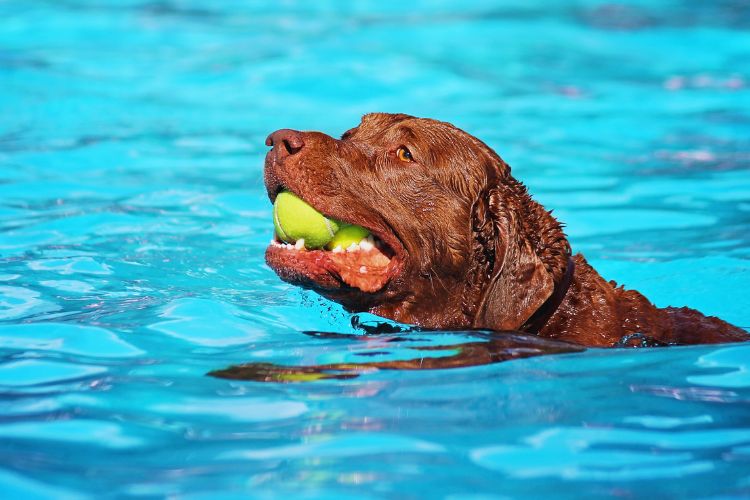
286, 142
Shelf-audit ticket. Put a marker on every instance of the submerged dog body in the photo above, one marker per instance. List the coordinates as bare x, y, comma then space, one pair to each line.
459, 243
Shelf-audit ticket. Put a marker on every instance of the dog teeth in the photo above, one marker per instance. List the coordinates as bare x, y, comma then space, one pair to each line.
366, 244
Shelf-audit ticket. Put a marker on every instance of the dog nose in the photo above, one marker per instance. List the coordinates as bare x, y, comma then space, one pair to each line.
286, 142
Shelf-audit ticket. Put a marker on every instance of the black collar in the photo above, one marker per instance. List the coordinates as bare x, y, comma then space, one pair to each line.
537, 320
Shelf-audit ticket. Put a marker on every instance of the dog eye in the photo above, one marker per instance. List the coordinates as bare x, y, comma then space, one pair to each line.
404, 154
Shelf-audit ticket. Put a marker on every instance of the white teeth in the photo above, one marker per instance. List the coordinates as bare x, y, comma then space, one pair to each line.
366, 244
363, 269
281, 244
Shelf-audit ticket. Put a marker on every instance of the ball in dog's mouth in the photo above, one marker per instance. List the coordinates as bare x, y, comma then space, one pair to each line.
312, 250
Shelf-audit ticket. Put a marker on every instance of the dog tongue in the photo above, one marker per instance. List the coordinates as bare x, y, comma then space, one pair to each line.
364, 269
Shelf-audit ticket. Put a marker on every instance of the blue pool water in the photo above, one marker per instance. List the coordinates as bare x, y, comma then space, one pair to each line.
133, 222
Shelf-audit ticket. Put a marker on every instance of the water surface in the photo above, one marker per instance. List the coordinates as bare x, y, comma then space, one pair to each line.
133, 222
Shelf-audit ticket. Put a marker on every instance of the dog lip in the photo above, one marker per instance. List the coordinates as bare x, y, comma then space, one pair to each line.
317, 268
388, 237
276, 192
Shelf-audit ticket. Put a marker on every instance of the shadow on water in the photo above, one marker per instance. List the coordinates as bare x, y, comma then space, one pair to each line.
484, 347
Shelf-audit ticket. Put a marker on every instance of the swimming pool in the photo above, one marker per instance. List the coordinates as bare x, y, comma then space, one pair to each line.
134, 220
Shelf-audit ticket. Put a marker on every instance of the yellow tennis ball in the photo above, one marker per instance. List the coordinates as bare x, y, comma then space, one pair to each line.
294, 219
347, 235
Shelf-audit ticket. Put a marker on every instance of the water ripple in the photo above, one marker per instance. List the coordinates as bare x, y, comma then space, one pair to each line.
16, 303
207, 323
355, 445
607, 454
29, 372
133, 220
66, 338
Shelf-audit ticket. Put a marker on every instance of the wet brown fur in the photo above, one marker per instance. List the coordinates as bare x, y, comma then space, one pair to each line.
476, 250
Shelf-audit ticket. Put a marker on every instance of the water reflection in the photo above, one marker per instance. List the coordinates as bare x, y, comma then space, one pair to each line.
393, 347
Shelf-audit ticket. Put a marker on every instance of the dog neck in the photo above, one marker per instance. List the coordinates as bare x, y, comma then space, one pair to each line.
543, 231
539, 319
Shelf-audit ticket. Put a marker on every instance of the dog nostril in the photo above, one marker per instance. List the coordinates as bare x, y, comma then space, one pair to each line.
293, 147
290, 140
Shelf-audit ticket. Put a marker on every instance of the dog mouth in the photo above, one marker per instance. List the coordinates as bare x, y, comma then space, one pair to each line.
366, 266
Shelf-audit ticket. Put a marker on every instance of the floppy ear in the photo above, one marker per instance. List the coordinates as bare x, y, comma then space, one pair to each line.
516, 281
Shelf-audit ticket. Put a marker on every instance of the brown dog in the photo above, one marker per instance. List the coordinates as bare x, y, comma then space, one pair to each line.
459, 243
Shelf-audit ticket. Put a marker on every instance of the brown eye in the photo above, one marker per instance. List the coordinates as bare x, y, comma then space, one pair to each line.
404, 154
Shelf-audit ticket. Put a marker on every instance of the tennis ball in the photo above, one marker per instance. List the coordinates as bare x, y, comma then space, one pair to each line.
347, 235
300, 377
294, 219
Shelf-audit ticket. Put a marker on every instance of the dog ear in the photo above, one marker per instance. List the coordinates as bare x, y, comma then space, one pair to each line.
516, 281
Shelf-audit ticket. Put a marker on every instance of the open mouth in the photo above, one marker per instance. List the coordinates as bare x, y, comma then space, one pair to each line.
367, 264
